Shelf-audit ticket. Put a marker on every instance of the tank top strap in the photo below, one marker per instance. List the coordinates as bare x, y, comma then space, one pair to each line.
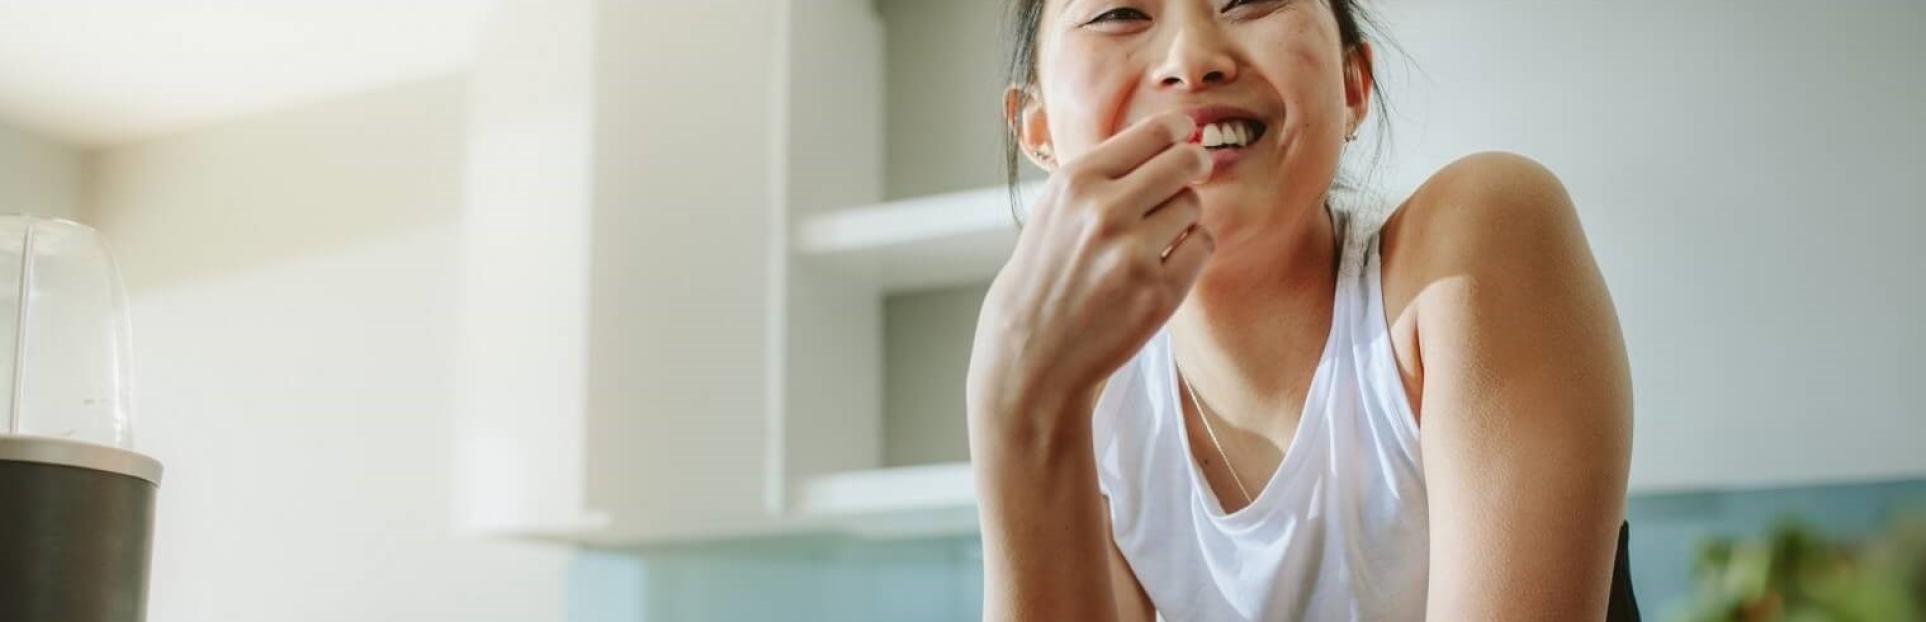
1372, 354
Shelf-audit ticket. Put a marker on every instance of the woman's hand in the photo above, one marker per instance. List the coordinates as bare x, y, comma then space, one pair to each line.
1112, 247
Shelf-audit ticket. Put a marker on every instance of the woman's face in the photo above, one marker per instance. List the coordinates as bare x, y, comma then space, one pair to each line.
1272, 72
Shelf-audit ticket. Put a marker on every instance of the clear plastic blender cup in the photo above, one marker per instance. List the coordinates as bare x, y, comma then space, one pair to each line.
76, 502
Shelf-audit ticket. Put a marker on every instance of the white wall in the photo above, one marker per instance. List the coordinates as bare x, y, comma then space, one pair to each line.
38, 175
292, 278
1749, 174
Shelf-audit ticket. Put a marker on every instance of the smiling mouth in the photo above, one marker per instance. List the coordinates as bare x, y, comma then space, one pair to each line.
1229, 134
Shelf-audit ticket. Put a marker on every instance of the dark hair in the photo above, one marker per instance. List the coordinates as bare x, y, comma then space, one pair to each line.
1026, 16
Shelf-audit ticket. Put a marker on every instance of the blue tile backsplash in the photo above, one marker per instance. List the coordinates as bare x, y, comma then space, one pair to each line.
939, 579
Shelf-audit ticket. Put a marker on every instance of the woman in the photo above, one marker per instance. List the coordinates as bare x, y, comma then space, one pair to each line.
1198, 391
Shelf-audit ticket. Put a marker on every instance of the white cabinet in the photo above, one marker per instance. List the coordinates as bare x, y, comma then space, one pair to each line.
677, 257
618, 253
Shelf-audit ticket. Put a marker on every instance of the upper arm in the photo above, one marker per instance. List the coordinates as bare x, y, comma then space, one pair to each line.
1526, 395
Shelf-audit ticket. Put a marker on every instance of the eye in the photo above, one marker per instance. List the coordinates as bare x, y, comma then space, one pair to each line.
1120, 14
1233, 4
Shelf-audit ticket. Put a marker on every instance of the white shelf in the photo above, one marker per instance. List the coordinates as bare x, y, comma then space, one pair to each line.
920, 243
898, 501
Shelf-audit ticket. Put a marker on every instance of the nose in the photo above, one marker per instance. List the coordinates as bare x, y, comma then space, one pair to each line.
1197, 59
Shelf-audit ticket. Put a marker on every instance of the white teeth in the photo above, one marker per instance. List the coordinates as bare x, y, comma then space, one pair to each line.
1213, 136
1228, 134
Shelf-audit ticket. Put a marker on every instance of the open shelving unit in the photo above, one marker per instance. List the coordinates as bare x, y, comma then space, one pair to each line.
930, 499
891, 248
752, 320
886, 265
919, 243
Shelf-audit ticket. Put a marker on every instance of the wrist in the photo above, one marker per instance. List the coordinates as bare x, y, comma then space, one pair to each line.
1030, 424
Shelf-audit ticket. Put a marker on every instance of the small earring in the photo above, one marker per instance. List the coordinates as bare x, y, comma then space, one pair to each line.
1043, 152
1350, 138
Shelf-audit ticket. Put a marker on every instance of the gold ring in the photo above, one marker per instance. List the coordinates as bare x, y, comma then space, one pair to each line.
1165, 256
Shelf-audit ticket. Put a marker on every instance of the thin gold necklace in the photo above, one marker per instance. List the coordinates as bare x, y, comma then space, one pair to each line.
1212, 431
1205, 417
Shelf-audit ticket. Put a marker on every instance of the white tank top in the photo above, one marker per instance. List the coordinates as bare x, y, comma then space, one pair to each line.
1339, 532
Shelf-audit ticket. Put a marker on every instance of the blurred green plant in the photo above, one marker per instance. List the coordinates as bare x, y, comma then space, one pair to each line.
1795, 574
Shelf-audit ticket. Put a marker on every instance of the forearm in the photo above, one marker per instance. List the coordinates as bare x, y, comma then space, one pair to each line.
1044, 547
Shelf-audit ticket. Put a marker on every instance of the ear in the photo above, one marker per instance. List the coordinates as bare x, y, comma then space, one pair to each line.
1359, 69
1023, 112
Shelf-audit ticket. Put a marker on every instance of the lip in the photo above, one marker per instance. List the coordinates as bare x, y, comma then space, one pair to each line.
1221, 161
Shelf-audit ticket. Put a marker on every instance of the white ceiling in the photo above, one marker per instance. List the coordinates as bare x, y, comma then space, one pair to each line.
95, 73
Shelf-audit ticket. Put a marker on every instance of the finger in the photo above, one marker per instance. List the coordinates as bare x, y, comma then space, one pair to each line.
1167, 224
1164, 255
1186, 258
1130, 148
1164, 176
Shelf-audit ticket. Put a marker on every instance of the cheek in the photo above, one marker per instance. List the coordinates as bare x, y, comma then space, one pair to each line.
1085, 98
1307, 68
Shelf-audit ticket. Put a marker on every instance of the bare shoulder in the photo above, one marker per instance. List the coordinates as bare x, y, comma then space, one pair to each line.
1486, 223
1490, 209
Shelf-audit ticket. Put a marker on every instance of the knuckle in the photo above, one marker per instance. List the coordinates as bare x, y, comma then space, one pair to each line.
1046, 204
1076, 182
1122, 272
1138, 269
1154, 299
1106, 224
